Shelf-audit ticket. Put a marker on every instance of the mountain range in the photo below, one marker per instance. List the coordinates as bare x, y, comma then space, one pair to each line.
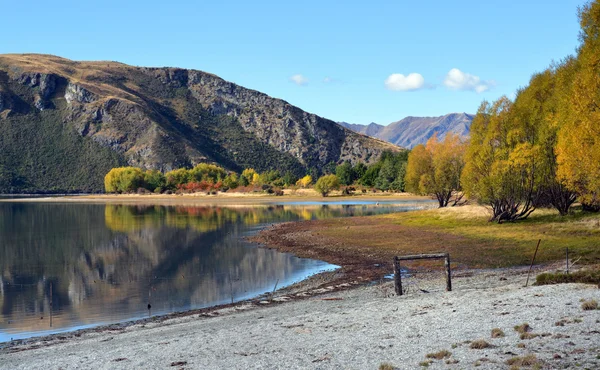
412, 131
64, 124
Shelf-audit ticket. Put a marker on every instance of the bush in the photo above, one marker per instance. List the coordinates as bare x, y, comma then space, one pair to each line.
326, 184
123, 180
590, 276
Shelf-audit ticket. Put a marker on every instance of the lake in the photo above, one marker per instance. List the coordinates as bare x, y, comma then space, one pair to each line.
97, 264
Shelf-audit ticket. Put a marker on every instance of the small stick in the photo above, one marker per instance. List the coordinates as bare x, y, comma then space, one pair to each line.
274, 289
397, 276
149, 305
50, 304
532, 261
231, 287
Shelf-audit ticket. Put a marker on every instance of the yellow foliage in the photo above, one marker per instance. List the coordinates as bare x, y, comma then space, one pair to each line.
305, 181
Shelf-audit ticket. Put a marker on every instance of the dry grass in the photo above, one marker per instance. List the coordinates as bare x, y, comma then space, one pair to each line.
386, 366
523, 328
479, 344
425, 363
459, 231
528, 360
439, 355
497, 333
586, 276
528, 336
590, 305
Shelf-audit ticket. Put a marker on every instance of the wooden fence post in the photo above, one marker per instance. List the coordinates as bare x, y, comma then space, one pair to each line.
397, 276
448, 273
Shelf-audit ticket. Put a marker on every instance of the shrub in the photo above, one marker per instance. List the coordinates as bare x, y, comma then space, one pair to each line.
479, 344
439, 355
497, 333
589, 305
523, 328
529, 360
589, 276
326, 184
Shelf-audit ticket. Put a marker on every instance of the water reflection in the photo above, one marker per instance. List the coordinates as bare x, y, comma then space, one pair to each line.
104, 263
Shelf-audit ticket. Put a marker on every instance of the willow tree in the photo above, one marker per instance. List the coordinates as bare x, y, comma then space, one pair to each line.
578, 147
501, 162
435, 168
123, 180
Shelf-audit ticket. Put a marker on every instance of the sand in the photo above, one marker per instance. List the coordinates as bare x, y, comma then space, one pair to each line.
356, 328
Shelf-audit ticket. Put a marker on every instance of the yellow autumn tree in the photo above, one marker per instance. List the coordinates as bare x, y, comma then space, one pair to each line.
578, 147
435, 168
123, 180
305, 181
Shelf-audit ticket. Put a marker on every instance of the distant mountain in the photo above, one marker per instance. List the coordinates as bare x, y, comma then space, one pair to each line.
64, 124
412, 131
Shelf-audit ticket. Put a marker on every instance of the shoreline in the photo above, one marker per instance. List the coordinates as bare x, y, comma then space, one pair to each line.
351, 328
219, 199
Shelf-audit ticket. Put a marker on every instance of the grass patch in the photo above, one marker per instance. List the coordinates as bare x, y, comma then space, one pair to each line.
425, 363
528, 360
479, 344
528, 336
462, 230
590, 305
386, 366
523, 328
439, 355
497, 333
588, 276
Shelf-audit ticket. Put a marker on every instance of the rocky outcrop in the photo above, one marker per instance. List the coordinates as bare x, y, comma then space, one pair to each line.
79, 94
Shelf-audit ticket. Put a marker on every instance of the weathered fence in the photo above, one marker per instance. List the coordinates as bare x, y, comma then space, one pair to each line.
398, 277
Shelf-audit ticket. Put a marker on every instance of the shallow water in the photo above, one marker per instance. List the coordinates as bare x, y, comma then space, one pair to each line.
65, 266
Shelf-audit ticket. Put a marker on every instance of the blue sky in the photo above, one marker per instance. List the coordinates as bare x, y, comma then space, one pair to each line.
331, 58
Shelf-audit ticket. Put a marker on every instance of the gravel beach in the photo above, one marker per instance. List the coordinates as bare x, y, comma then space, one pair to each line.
358, 328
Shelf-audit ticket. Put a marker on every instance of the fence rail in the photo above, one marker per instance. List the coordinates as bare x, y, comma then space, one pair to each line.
398, 277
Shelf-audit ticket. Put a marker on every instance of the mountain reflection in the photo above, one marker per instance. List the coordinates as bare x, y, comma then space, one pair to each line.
105, 263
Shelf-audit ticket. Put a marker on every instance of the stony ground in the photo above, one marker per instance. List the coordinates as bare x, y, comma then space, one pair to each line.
352, 329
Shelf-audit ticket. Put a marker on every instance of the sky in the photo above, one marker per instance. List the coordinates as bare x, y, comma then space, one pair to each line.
353, 61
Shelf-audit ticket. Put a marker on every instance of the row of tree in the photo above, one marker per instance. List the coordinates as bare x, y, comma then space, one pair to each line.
543, 148
387, 174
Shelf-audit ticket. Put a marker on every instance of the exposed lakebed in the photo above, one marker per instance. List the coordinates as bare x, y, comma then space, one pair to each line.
83, 265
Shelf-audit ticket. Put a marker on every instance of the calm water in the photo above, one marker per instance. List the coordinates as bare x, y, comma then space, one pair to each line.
98, 264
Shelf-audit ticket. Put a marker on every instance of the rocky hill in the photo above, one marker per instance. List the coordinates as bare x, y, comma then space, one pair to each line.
64, 124
412, 131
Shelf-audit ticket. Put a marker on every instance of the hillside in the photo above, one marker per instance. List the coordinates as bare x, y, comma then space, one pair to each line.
412, 131
64, 124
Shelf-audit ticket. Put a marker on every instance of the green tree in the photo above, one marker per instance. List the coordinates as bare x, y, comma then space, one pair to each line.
231, 181
154, 180
289, 178
326, 184
345, 173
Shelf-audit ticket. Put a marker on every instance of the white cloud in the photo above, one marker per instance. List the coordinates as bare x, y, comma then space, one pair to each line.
328, 80
400, 82
459, 80
299, 80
